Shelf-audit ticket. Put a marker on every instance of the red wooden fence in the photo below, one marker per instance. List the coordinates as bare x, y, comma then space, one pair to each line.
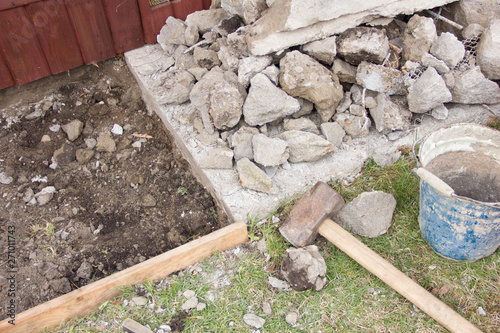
43, 37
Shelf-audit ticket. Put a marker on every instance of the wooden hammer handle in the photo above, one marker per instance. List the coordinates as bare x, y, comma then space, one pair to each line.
396, 279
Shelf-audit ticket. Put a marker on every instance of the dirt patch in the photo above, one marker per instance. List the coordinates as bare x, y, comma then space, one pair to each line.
107, 209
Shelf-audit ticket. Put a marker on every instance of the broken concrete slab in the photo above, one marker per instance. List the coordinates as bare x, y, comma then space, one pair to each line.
449, 49
252, 177
488, 51
363, 44
323, 50
472, 87
269, 151
305, 146
304, 268
419, 35
428, 92
380, 78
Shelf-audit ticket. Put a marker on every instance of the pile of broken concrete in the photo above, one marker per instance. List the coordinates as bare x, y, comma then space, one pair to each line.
288, 81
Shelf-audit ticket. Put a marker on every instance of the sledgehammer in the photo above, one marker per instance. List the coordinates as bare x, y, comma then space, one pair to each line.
310, 215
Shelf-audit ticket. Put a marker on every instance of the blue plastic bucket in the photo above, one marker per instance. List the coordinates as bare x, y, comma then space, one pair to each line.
460, 191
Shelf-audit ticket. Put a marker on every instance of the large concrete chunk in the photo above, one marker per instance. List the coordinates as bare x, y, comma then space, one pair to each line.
466, 12
266, 102
176, 87
380, 79
304, 268
419, 35
363, 44
428, 92
472, 87
323, 50
302, 76
306, 146
389, 116
173, 32
241, 141
449, 49
249, 10
294, 22
206, 20
252, 177
269, 151
488, 51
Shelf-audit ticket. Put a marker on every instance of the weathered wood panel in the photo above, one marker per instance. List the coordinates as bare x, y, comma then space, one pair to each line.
10, 4
125, 23
160, 15
55, 33
20, 47
206, 4
92, 29
6, 79
182, 8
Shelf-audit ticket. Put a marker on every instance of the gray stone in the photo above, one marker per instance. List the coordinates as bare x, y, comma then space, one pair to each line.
189, 293
466, 12
269, 151
304, 268
228, 56
305, 146
201, 307
488, 51
184, 60
218, 158
4, 179
28, 194
191, 35
252, 177
369, 214
472, 87
355, 126
60, 286
208, 139
326, 114
241, 141
363, 44
105, 143
206, 58
147, 201
65, 154
300, 124
428, 60
254, 321
84, 271
449, 49
380, 79
291, 318
197, 72
83, 156
250, 66
279, 284
273, 73
267, 309
323, 50
302, 76
428, 92
229, 25
190, 304
262, 245
45, 195
176, 87
173, 32
266, 102
345, 102
440, 112
387, 159
419, 35
357, 110
73, 129
333, 132
344, 71
306, 107
206, 20
219, 95
389, 116
472, 31
249, 10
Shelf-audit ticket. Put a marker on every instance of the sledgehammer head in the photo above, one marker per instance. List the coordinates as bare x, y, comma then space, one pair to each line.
301, 227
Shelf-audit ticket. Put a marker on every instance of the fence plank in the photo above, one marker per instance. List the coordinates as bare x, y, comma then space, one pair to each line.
182, 8
125, 23
9, 4
207, 4
55, 32
6, 79
92, 29
160, 14
20, 47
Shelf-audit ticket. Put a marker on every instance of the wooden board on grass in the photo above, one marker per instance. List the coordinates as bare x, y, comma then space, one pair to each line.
88, 298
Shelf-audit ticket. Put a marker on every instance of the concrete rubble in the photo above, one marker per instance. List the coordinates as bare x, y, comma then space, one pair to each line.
265, 101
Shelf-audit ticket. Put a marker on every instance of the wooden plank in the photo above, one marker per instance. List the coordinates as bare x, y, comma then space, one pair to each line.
88, 298
92, 29
160, 13
147, 21
55, 33
207, 4
6, 79
9, 4
20, 47
125, 23
182, 8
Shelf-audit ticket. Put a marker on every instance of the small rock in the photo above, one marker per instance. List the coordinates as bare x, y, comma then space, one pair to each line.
105, 143
205, 58
363, 44
45, 138
166, 328
269, 151
262, 245
355, 126
428, 92
117, 129
91, 143
218, 158
55, 128
266, 308
333, 132
4, 179
85, 272
73, 129
83, 156
28, 195
323, 50
201, 307
304, 268
190, 304
61, 286
189, 294
148, 201
300, 124
65, 155
140, 300
45, 195
254, 321
252, 177
291, 318
279, 284
481, 311
305, 146
449, 49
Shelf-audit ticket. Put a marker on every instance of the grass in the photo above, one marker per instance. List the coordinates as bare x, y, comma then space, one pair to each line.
233, 284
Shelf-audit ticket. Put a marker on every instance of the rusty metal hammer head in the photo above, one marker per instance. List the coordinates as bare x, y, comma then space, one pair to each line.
301, 227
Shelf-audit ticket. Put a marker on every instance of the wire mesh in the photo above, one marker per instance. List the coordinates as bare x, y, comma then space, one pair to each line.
469, 59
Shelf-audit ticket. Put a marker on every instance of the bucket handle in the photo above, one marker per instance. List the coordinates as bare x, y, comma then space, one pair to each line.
435, 182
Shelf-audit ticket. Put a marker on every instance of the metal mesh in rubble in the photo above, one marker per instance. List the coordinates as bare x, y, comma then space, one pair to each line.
470, 53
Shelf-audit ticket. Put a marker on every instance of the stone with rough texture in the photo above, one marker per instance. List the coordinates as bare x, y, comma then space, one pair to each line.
205, 20
466, 12
176, 86
269, 151
355, 126
488, 51
220, 95
249, 10
428, 60
300, 124
305, 146
228, 56
323, 50
279, 284
5, 179
428, 92
266, 102
440, 112
252, 177
190, 304
304, 268
191, 35
73, 129
345, 102
389, 116
333, 132
363, 44
472, 30
105, 143
449, 49
302, 76
326, 114
241, 141
173, 32
205, 58
66, 154
344, 71
369, 214
472, 87
83, 156
45, 195
273, 73
229, 25
254, 321
250, 66
306, 107
218, 158
418, 37
380, 79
